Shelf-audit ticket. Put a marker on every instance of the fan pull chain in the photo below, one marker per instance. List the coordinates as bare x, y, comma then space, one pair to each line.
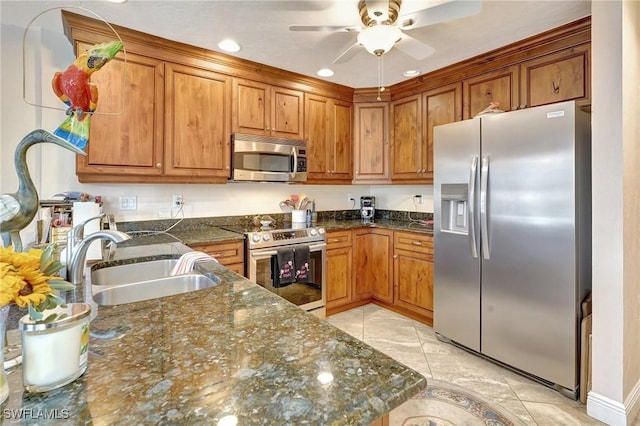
380, 78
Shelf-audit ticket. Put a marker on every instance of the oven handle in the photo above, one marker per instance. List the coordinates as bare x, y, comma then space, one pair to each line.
269, 253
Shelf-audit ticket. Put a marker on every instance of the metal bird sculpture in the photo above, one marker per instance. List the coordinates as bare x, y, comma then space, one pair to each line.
75, 89
17, 210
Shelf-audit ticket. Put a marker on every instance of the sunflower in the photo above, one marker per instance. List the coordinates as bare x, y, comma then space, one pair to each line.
29, 279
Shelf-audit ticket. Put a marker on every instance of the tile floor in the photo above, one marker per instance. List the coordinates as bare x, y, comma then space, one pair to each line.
416, 345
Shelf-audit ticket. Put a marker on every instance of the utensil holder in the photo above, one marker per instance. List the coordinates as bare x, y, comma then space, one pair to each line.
299, 216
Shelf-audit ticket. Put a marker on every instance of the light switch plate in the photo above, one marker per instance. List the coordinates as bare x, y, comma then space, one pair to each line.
128, 202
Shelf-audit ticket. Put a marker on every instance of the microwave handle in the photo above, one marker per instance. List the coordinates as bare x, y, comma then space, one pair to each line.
295, 162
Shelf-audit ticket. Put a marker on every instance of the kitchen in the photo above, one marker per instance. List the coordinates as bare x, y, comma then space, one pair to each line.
609, 350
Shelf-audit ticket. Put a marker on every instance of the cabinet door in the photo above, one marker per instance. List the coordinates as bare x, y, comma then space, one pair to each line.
317, 125
500, 85
328, 136
126, 131
413, 272
251, 112
440, 106
406, 138
197, 136
371, 150
339, 277
341, 155
287, 108
372, 250
557, 77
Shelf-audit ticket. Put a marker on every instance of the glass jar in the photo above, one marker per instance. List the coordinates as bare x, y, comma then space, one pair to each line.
55, 353
4, 383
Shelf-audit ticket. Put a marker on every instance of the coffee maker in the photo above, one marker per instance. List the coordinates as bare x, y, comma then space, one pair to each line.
367, 208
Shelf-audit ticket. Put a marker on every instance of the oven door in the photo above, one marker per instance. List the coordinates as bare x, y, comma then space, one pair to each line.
309, 296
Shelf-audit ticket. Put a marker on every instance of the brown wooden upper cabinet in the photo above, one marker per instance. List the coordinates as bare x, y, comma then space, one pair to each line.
413, 119
262, 109
407, 145
126, 136
197, 137
557, 77
496, 86
371, 145
174, 126
328, 133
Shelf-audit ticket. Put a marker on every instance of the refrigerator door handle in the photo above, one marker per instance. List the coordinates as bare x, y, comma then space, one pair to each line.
471, 209
484, 214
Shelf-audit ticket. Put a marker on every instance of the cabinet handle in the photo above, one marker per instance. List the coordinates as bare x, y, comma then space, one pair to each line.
158, 165
334, 240
416, 243
395, 256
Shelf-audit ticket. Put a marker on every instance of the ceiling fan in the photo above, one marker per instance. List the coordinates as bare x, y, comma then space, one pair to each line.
384, 26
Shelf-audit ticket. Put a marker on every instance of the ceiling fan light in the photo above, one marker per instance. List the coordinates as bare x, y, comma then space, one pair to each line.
379, 39
410, 73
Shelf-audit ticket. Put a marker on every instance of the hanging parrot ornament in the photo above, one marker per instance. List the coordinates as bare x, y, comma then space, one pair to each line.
73, 86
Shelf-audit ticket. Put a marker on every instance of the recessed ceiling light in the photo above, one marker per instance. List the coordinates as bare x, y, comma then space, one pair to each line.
411, 73
325, 72
229, 45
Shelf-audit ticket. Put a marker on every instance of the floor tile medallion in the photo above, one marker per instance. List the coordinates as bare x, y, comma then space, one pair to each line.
444, 404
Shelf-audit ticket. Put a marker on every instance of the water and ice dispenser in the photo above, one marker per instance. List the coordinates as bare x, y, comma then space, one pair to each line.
454, 209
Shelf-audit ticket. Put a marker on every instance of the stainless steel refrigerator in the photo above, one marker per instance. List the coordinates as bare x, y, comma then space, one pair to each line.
512, 198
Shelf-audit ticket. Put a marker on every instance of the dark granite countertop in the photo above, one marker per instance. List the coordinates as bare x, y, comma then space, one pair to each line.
396, 225
231, 350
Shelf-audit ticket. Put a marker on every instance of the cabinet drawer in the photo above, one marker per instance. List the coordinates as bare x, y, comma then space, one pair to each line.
413, 243
338, 239
225, 253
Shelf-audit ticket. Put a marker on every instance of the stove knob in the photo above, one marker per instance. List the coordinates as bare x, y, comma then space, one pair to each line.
321, 231
266, 237
313, 232
255, 238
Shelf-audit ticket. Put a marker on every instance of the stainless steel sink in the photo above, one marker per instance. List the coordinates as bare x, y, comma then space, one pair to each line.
151, 289
132, 272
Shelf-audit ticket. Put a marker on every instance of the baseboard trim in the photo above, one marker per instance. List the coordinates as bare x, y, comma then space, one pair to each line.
613, 412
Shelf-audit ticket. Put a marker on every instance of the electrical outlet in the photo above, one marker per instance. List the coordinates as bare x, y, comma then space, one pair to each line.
177, 200
350, 197
128, 202
417, 199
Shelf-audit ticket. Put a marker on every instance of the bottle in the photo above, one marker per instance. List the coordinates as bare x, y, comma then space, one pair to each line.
308, 217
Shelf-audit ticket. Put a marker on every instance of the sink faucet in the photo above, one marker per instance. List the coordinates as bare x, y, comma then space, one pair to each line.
74, 237
79, 257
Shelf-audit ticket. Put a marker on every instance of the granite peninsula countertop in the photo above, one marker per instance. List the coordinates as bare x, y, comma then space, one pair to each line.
231, 350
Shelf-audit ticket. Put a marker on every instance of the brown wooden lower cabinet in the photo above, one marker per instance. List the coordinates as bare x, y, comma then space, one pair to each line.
229, 254
382, 421
413, 273
392, 269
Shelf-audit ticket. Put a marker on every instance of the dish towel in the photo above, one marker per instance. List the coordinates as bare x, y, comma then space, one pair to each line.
285, 267
188, 260
301, 261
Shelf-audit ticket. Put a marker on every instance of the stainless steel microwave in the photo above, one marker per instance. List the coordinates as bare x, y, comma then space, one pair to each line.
266, 159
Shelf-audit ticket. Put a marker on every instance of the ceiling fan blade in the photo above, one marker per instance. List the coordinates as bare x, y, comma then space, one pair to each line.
347, 54
453, 9
324, 28
414, 48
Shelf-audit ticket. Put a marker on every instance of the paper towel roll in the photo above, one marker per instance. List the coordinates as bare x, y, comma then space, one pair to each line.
83, 211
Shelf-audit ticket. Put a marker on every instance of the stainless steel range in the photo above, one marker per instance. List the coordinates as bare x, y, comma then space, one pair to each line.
265, 251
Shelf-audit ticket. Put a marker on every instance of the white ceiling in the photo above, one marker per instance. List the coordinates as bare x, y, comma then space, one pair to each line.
262, 29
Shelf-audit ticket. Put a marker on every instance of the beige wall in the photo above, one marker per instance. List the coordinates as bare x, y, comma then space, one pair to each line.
631, 148
615, 397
